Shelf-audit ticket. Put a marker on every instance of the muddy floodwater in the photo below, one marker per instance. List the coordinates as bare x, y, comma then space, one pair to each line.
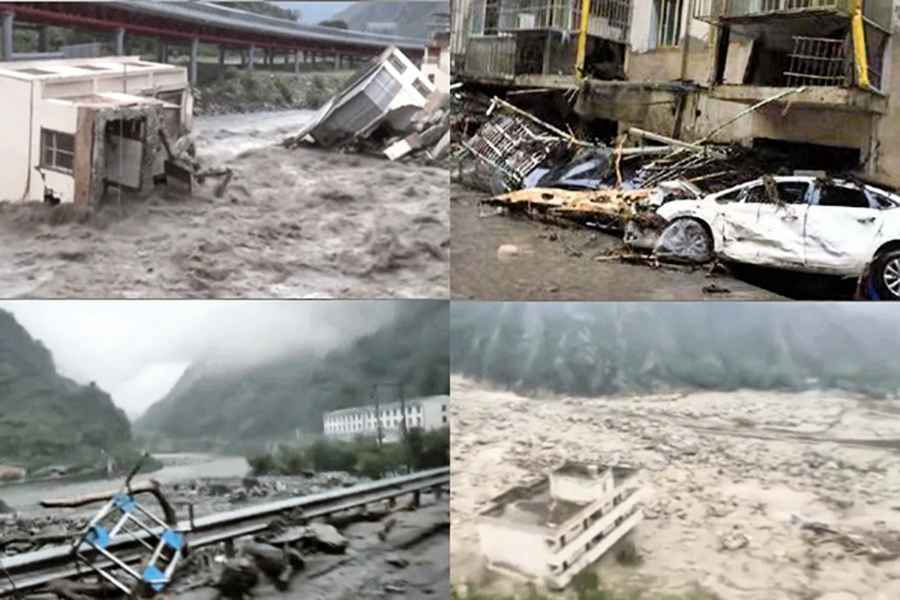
747, 495
24, 497
498, 257
292, 223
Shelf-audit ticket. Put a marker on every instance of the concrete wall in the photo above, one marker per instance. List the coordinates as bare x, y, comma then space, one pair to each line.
646, 62
14, 122
580, 489
514, 546
58, 116
886, 160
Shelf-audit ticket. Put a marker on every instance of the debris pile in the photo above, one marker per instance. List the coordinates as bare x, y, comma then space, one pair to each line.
183, 169
388, 108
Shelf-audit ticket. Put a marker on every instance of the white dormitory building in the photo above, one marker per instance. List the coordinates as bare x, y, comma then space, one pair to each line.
551, 530
74, 128
426, 413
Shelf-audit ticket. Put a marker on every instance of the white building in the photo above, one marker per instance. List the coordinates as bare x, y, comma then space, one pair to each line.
425, 413
436, 63
74, 127
551, 530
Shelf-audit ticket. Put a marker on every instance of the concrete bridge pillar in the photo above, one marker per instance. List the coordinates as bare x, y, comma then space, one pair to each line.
162, 51
337, 60
296, 62
7, 49
222, 56
251, 58
195, 55
44, 39
119, 41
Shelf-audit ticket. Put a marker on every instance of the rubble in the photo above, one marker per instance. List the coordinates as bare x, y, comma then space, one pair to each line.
389, 108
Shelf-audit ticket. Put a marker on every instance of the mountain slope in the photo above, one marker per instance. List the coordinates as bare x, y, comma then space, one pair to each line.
46, 418
412, 17
279, 396
603, 348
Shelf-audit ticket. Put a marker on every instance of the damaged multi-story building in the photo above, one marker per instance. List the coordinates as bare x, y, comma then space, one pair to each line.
551, 530
81, 127
810, 79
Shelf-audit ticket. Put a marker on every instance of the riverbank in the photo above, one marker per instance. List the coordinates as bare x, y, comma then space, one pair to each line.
242, 91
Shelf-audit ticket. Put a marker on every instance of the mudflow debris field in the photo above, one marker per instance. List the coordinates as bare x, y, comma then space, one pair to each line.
301, 222
382, 552
747, 495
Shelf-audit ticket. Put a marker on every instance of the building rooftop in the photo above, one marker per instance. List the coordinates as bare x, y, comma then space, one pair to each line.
532, 505
113, 99
78, 68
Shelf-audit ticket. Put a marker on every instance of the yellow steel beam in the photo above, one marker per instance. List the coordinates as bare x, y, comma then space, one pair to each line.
582, 39
859, 43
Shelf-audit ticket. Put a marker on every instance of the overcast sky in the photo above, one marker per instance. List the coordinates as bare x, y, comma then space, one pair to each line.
136, 349
315, 12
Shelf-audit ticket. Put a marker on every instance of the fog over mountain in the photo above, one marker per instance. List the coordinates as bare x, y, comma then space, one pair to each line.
288, 392
608, 348
45, 417
137, 350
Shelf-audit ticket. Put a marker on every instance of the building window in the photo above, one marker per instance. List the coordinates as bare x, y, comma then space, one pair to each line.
57, 150
444, 418
443, 408
668, 22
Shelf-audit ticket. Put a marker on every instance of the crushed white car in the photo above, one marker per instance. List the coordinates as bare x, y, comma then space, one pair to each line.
799, 223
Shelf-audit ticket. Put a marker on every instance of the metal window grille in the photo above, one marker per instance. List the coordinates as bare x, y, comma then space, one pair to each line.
668, 22
818, 62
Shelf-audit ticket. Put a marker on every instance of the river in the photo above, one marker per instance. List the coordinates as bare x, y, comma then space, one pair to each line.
177, 467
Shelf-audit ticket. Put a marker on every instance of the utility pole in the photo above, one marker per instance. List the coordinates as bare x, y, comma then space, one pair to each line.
377, 413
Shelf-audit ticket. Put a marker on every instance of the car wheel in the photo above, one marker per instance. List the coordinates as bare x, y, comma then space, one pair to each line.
886, 274
685, 239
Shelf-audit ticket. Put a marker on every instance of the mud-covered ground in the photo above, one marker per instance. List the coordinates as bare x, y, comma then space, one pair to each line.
749, 495
411, 561
391, 552
545, 261
292, 223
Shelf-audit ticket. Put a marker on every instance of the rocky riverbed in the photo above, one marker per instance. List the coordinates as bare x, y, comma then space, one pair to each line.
749, 495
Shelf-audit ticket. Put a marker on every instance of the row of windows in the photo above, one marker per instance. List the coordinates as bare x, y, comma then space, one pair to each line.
360, 416
396, 412
371, 424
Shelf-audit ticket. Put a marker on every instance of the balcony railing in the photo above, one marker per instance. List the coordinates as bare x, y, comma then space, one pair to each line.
492, 56
711, 10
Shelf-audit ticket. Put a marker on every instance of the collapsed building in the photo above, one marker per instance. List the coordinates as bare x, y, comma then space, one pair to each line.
817, 74
388, 107
551, 530
88, 125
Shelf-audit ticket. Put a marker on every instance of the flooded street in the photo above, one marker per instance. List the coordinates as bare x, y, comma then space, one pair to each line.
299, 223
747, 495
556, 263
24, 497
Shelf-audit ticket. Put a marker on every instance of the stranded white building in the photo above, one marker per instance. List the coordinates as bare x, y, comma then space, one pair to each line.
424, 413
551, 530
75, 127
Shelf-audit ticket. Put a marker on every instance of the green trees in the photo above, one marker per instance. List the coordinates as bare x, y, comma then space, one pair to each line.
363, 456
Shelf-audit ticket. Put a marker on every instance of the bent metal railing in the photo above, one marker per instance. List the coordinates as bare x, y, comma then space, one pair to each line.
32, 570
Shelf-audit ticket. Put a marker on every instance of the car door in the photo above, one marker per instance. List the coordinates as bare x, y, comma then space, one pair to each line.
841, 228
765, 230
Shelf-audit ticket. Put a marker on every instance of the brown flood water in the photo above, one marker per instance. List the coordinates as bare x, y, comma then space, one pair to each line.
293, 223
